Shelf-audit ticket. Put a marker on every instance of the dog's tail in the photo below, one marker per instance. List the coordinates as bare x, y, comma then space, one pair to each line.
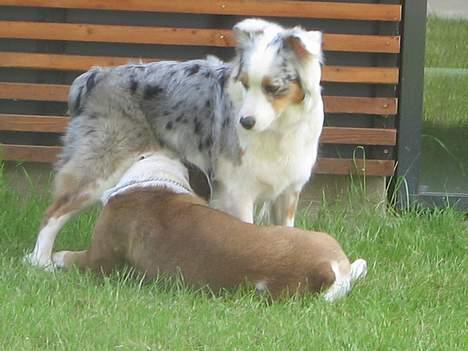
344, 280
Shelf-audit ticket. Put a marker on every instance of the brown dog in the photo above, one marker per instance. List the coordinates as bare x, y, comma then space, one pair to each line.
152, 221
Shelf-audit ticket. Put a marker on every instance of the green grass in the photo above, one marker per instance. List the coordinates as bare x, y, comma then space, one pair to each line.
414, 297
446, 43
445, 102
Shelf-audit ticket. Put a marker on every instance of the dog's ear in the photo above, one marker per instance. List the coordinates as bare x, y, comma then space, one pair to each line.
247, 30
304, 44
306, 48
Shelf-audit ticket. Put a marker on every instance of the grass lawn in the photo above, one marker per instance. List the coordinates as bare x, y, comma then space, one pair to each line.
414, 297
445, 102
446, 43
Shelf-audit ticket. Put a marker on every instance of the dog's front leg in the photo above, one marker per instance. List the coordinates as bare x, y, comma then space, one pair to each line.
104, 254
66, 259
238, 205
285, 206
245, 207
241, 208
98, 261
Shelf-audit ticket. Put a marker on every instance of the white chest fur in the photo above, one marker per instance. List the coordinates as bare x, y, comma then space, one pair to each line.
275, 159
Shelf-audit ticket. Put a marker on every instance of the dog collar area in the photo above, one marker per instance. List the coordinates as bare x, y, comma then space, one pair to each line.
161, 183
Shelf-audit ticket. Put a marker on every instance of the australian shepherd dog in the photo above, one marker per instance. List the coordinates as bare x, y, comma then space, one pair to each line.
252, 125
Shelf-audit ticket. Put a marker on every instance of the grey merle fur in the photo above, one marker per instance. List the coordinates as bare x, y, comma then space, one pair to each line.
133, 106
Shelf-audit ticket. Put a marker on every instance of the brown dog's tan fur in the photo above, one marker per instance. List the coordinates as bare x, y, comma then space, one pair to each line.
157, 231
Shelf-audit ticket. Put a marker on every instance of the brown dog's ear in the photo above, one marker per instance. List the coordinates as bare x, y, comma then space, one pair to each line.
247, 30
199, 181
304, 44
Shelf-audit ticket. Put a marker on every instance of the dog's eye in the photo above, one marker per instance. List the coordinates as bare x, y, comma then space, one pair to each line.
142, 157
272, 89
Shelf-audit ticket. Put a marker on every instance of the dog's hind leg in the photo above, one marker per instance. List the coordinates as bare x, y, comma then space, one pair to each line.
358, 269
284, 208
79, 183
61, 210
345, 276
72, 193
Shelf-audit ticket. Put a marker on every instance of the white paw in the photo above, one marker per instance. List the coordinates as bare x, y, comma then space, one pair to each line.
58, 259
39, 261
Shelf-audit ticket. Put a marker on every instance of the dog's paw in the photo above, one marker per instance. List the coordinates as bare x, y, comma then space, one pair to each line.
58, 259
34, 260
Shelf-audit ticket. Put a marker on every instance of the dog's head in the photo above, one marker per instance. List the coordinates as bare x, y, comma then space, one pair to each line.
276, 69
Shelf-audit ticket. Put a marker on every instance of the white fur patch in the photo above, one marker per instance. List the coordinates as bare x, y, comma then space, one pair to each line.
358, 269
261, 286
41, 255
59, 258
343, 282
340, 287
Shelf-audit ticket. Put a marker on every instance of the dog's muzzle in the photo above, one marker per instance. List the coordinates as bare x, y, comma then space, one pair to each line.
247, 122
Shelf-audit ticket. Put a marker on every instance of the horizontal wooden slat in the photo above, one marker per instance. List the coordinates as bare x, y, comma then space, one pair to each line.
358, 136
115, 34
361, 105
176, 36
48, 154
333, 104
34, 92
361, 43
62, 62
45, 154
32, 123
335, 74
304, 9
330, 135
369, 75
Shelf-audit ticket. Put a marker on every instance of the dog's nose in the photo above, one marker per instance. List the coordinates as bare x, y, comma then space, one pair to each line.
247, 122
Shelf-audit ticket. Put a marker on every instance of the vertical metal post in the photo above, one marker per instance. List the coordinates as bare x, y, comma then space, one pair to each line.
410, 100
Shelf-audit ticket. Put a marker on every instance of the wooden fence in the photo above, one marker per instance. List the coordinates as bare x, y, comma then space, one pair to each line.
44, 44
